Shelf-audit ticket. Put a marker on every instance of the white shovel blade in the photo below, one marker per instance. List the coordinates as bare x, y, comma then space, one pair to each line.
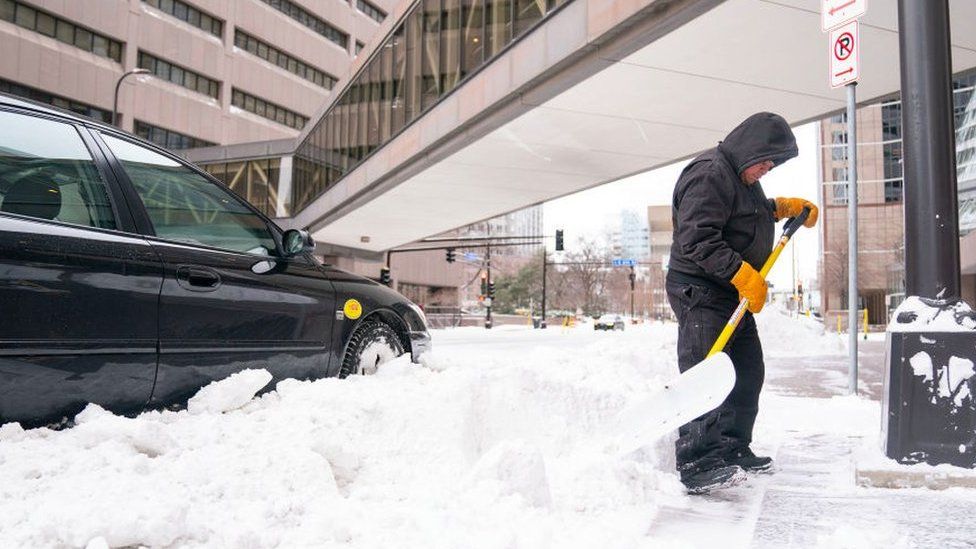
699, 390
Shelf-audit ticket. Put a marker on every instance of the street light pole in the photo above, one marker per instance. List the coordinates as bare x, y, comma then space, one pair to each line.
633, 278
118, 84
545, 261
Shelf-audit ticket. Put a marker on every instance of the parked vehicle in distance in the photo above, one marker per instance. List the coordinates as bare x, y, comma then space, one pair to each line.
130, 278
609, 322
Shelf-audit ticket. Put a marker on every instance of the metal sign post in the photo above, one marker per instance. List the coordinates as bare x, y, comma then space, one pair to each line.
839, 19
852, 234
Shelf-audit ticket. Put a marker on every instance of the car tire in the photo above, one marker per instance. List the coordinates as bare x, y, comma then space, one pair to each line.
372, 344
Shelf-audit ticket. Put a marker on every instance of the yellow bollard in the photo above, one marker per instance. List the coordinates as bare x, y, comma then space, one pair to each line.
838, 324
865, 323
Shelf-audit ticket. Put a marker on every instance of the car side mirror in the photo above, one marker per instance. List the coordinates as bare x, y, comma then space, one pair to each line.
296, 242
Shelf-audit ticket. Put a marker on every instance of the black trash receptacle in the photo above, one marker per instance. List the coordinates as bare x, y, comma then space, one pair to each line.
929, 414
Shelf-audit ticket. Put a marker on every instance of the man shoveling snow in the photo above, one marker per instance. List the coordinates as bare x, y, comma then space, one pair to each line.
723, 231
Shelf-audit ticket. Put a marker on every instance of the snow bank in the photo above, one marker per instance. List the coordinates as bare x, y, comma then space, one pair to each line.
466, 452
494, 443
784, 335
914, 315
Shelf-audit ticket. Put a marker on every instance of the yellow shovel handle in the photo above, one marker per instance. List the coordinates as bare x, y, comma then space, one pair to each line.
740, 311
791, 227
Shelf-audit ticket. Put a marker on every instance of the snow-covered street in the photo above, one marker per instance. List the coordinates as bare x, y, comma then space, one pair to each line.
497, 441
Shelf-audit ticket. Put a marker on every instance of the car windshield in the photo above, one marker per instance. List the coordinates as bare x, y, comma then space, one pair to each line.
608, 318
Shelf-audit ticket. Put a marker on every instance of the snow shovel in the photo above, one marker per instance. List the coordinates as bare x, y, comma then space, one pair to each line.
701, 388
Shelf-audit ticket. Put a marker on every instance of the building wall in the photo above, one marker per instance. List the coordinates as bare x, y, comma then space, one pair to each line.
505, 261
880, 261
661, 235
880, 211
35, 60
424, 277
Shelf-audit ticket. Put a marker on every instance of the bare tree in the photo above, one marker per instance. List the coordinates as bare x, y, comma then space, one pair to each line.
587, 269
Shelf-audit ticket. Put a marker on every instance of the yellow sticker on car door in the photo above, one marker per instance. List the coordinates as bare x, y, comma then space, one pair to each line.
353, 309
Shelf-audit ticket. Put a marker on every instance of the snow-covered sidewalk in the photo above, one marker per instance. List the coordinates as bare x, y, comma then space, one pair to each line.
497, 441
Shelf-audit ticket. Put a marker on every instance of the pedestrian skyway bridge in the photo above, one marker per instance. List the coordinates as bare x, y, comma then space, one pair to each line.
466, 109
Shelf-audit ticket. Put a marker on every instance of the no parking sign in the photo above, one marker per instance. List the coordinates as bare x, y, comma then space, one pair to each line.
844, 55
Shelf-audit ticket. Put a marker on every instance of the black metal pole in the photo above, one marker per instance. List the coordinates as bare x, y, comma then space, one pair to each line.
490, 297
931, 214
545, 261
633, 278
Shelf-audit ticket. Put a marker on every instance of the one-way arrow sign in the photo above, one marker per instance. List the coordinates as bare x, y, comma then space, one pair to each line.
835, 13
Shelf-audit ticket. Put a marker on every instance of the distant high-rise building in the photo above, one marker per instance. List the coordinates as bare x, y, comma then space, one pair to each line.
632, 241
505, 260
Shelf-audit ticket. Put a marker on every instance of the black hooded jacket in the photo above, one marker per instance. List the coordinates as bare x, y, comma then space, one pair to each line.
719, 221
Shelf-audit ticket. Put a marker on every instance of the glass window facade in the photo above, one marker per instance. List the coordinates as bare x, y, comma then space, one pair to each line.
47, 24
190, 14
267, 109
40, 96
426, 55
317, 25
277, 57
372, 11
168, 138
253, 180
179, 75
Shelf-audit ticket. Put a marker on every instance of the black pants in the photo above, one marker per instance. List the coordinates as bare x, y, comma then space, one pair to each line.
702, 312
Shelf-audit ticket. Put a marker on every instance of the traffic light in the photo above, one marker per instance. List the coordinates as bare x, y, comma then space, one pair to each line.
559, 240
450, 255
385, 276
484, 283
491, 289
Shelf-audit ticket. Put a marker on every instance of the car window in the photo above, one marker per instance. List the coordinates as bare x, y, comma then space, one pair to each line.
187, 207
47, 172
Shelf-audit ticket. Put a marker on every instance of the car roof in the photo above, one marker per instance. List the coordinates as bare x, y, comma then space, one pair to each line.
12, 100
42, 108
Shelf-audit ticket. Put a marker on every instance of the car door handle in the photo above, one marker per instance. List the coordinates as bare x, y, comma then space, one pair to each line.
197, 278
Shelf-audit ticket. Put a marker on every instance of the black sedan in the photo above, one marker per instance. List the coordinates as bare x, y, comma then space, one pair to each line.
130, 279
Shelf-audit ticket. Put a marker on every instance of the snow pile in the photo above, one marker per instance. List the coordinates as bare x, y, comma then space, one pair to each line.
229, 394
464, 453
914, 315
495, 442
784, 335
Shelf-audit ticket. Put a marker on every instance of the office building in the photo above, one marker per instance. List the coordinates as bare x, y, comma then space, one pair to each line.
220, 72
880, 262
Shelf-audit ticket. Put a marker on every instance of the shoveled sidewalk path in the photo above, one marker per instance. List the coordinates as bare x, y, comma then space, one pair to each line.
814, 431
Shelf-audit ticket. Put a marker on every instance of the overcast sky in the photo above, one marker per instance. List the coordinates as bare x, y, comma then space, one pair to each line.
594, 212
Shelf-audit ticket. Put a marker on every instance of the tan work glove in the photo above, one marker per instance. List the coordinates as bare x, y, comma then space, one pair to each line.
751, 286
792, 207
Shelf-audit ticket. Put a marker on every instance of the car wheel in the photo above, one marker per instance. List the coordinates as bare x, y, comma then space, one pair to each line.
372, 344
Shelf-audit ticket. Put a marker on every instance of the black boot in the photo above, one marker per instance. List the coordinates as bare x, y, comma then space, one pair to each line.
705, 481
744, 458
